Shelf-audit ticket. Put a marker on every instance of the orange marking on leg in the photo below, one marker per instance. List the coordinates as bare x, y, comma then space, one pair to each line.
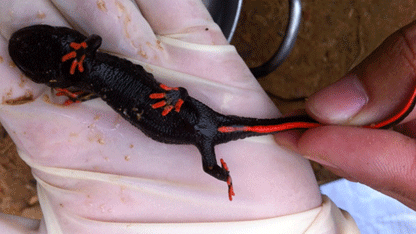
61, 92
230, 189
74, 95
178, 105
229, 181
223, 164
167, 88
159, 104
69, 102
157, 95
65, 92
167, 110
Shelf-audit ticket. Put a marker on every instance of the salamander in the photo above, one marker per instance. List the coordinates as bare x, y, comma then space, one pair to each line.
63, 58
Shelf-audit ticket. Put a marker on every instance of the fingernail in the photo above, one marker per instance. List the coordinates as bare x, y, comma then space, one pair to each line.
339, 102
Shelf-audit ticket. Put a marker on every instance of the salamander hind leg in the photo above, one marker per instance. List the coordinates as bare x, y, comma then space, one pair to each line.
210, 166
170, 99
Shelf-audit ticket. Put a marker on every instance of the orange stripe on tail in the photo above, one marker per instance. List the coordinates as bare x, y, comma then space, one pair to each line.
269, 128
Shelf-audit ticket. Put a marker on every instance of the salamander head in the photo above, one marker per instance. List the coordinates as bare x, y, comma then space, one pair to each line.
39, 52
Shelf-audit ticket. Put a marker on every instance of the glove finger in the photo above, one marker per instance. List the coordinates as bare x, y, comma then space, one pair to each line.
17, 14
187, 21
119, 23
381, 159
376, 89
15, 87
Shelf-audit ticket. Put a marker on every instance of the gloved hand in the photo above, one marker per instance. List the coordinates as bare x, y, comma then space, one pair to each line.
93, 167
375, 90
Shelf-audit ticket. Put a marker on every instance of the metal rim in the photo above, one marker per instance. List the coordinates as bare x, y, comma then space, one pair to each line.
225, 14
292, 29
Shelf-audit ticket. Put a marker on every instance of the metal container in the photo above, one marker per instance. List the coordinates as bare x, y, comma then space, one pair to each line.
225, 14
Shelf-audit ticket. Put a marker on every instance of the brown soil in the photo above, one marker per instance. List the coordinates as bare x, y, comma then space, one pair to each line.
17, 186
334, 37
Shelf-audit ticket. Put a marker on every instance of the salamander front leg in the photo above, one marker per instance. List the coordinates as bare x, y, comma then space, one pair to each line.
210, 166
74, 96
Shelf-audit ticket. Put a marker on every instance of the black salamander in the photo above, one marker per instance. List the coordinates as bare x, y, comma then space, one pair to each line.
62, 58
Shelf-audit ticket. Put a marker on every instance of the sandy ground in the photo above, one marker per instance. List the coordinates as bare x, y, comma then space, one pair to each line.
334, 37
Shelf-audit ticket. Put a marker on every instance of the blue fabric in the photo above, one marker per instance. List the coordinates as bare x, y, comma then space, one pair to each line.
373, 211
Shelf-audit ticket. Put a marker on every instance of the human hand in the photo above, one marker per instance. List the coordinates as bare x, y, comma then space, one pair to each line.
91, 163
373, 91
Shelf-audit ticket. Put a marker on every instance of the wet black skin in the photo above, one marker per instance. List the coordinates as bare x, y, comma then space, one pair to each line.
38, 51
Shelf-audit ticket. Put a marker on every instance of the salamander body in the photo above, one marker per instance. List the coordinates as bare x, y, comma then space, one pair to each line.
62, 58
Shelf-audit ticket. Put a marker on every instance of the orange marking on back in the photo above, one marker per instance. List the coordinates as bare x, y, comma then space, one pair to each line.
69, 56
79, 64
73, 67
77, 46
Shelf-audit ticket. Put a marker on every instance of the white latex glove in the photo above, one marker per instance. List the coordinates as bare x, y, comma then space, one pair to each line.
93, 168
